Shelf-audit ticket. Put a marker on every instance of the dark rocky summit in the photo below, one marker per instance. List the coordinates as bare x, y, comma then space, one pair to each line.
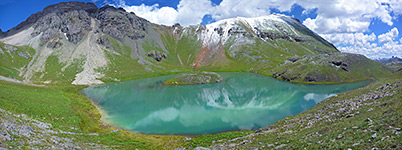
119, 24
57, 9
2, 34
74, 20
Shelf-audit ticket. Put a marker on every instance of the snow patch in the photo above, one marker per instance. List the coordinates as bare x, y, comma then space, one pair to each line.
65, 35
210, 36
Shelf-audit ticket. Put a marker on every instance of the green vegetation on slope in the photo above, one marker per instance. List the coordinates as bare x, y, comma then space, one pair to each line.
181, 50
55, 71
14, 59
120, 66
333, 68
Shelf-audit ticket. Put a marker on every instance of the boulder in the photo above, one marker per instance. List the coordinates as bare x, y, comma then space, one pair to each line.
22, 54
156, 55
54, 44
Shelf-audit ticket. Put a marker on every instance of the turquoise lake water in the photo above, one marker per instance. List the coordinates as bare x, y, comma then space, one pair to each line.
243, 101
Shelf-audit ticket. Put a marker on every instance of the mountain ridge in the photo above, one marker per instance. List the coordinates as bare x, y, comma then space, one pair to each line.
59, 7
96, 45
393, 63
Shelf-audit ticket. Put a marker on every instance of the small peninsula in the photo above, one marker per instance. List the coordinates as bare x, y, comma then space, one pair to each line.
191, 78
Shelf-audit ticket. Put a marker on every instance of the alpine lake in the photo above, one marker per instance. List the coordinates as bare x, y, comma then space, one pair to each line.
243, 101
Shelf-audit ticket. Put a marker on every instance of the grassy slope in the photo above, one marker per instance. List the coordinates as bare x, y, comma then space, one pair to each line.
123, 67
320, 69
12, 62
339, 122
184, 49
53, 71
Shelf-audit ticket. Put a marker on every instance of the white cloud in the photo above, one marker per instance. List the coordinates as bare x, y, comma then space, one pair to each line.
396, 6
164, 15
234, 8
338, 25
364, 43
188, 12
389, 36
346, 16
374, 51
350, 38
192, 11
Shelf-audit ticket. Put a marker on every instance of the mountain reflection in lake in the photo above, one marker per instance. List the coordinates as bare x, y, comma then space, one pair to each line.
242, 101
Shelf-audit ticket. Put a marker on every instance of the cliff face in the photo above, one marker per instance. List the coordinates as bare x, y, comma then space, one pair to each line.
79, 43
59, 8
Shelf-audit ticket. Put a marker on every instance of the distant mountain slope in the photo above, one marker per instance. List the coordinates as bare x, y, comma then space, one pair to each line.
78, 43
394, 63
389, 60
329, 68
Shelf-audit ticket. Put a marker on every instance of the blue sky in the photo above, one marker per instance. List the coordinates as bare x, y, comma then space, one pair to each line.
369, 27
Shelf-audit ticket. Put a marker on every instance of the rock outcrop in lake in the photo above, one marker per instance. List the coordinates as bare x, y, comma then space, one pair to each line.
194, 78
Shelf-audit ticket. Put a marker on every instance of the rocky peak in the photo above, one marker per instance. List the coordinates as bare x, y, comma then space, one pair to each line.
1, 33
73, 24
118, 23
111, 8
72, 20
70, 6
389, 60
56, 8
